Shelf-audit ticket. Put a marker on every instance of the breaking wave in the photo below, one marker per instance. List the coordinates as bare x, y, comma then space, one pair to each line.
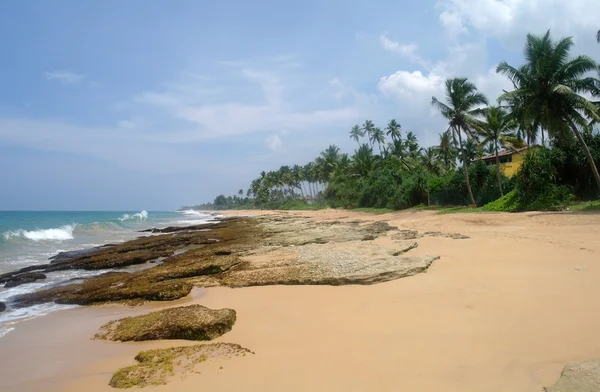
63, 233
140, 216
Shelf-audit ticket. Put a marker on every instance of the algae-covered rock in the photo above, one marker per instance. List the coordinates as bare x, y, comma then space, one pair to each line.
193, 322
578, 377
155, 367
19, 279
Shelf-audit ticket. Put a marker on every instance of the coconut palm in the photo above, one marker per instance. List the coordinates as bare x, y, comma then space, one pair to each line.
412, 144
445, 150
551, 86
393, 130
498, 130
461, 107
429, 159
363, 160
356, 133
368, 127
377, 136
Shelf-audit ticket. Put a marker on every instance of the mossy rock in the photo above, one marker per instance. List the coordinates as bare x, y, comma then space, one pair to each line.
156, 366
193, 322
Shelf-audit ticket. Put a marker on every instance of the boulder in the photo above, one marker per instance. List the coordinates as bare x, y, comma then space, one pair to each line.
193, 322
2, 307
578, 377
17, 280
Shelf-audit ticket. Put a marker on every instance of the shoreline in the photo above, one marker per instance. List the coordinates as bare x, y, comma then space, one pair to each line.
504, 310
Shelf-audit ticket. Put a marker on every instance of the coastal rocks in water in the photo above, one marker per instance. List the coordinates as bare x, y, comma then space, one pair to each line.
242, 252
19, 279
578, 377
193, 322
155, 367
2, 307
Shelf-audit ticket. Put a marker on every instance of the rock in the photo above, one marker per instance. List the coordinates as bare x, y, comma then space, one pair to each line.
2, 307
155, 367
368, 238
454, 236
19, 279
578, 377
241, 252
193, 322
405, 235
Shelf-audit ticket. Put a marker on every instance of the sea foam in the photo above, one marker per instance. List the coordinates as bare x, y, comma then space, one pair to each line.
56, 234
140, 216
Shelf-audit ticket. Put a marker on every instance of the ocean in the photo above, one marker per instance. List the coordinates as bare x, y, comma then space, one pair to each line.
32, 237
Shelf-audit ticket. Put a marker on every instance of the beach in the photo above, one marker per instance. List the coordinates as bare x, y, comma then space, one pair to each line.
502, 310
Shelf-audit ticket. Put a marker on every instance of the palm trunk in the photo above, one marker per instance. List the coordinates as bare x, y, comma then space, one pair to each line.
587, 152
498, 172
465, 168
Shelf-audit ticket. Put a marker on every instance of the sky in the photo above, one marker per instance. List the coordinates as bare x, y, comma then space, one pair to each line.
147, 104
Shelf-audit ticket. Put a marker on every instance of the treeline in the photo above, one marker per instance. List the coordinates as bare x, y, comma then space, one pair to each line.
390, 169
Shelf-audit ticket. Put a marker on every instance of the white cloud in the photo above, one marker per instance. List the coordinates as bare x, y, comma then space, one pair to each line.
65, 77
274, 143
411, 87
248, 99
407, 50
510, 20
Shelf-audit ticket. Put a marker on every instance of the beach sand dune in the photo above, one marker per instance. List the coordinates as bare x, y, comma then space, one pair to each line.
504, 310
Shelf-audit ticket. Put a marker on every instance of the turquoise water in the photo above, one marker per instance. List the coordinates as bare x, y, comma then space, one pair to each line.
31, 237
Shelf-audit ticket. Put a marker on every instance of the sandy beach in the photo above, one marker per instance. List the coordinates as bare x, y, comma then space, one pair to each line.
503, 310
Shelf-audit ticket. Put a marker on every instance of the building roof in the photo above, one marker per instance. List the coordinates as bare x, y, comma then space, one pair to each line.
505, 153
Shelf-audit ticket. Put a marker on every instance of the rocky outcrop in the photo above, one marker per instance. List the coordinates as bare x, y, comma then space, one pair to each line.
241, 252
19, 279
155, 367
578, 377
2, 307
193, 322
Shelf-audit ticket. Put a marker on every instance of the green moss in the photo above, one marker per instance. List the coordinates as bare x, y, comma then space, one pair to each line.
193, 322
156, 366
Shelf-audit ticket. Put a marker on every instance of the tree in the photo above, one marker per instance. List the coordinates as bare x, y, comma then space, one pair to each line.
445, 150
377, 136
551, 85
356, 133
461, 108
429, 159
368, 127
598, 36
363, 161
498, 130
393, 130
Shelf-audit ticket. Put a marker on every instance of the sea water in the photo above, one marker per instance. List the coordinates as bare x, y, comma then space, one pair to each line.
32, 237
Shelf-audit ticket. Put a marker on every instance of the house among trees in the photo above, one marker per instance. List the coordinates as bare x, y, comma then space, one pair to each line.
510, 160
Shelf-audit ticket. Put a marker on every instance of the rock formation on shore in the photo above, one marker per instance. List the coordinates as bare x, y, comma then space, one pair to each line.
236, 252
155, 367
578, 377
193, 322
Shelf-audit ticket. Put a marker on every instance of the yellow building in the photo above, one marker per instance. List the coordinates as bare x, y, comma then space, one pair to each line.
510, 160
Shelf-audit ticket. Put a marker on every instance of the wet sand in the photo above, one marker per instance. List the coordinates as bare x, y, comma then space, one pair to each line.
502, 311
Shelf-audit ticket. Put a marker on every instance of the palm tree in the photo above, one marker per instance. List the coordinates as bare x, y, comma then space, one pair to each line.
412, 144
461, 107
393, 130
363, 161
356, 133
429, 159
445, 150
368, 127
550, 85
498, 130
472, 150
598, 36
377, 136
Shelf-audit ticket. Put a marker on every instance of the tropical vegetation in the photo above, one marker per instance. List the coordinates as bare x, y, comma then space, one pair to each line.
555, 102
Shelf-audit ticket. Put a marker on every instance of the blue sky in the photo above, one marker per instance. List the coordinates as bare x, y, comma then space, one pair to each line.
155, 104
